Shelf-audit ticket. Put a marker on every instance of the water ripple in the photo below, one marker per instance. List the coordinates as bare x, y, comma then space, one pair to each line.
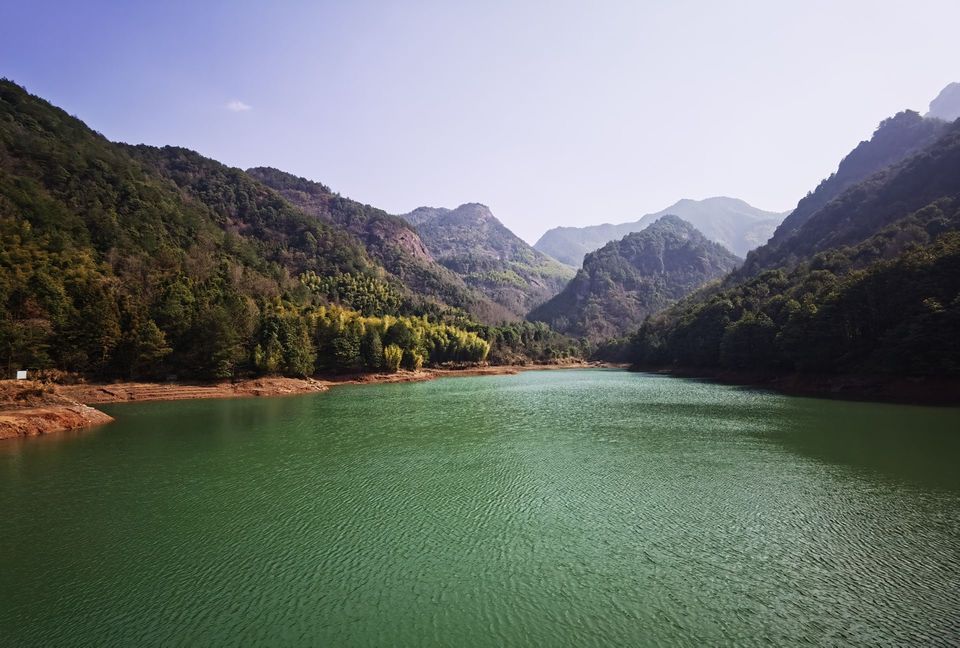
555, 508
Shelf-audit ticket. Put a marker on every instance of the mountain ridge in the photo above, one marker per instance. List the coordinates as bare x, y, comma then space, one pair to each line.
471, 242
868, 284
626, 280
132, 261
895, 140
390, 239
732, 222
946, 105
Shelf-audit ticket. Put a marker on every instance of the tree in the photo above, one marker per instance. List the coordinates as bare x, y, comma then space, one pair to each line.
346, 352
149, 347
299, 355
392, 356
371, 349
413, 360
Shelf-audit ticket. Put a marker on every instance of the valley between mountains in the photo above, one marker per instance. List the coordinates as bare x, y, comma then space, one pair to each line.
136, 263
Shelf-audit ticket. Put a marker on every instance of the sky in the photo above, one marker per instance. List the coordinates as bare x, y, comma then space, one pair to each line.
551, 113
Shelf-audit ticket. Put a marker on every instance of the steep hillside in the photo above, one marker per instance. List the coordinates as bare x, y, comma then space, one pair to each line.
626, 280
125, 261
106, 266
895, 139
855, 203
733, 223
390, 240
870, 283
490, 258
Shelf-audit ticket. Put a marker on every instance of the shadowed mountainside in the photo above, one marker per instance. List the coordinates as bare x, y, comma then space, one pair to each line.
867, 284
390, 240
626, 280
733, 223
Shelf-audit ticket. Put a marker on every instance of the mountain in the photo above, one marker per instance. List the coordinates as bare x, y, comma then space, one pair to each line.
894, 140
733, 223
107, 265
472, 243
390, 240
626, 280
866, 208
869, 283
946, 106
134, 261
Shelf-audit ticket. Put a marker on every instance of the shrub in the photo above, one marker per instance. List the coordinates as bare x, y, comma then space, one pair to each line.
392, 355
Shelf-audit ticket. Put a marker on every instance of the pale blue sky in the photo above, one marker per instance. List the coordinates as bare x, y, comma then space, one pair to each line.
551, 113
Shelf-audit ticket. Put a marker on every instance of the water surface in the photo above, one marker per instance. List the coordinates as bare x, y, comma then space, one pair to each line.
563, 508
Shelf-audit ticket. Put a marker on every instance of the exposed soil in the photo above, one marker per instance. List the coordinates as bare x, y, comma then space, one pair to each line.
29, 408
94, 393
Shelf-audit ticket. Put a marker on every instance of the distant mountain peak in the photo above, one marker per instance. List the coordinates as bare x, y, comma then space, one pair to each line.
471, 242
732, 222
626, 280
472, 210
946, 105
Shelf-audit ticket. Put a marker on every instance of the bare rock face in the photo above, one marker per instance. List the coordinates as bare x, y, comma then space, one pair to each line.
390, 240
471, 242
947, 104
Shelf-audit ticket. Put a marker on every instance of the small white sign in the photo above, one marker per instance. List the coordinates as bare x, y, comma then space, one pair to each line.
22, 375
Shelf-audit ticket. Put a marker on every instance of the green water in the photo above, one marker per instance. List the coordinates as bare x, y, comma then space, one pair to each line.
566, 508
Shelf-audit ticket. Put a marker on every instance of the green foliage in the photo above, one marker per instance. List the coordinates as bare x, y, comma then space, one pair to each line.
134, 261
893, 316
392, 356
524, 342
371, 349
865, 280
626, 280
369, 295
412, 360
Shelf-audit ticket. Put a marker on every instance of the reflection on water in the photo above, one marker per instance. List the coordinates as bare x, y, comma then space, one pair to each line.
547, 508
920, 445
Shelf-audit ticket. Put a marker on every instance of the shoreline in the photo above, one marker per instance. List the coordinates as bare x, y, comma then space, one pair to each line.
28, 408
900, 390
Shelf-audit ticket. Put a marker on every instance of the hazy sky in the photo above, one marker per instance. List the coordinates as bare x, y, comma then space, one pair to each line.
551, 113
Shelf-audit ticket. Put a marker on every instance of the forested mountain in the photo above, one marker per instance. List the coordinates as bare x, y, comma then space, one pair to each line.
895, 139
390, 240
471, 242
626, 280
874, 203
733, 223
868, 283
127, 261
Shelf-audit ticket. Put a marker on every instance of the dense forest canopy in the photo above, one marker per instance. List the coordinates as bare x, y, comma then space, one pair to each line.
136, 261
869, 283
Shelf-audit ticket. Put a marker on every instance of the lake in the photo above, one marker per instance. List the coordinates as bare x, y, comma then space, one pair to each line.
552, 508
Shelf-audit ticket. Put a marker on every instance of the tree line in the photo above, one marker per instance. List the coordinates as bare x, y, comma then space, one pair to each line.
834, 314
